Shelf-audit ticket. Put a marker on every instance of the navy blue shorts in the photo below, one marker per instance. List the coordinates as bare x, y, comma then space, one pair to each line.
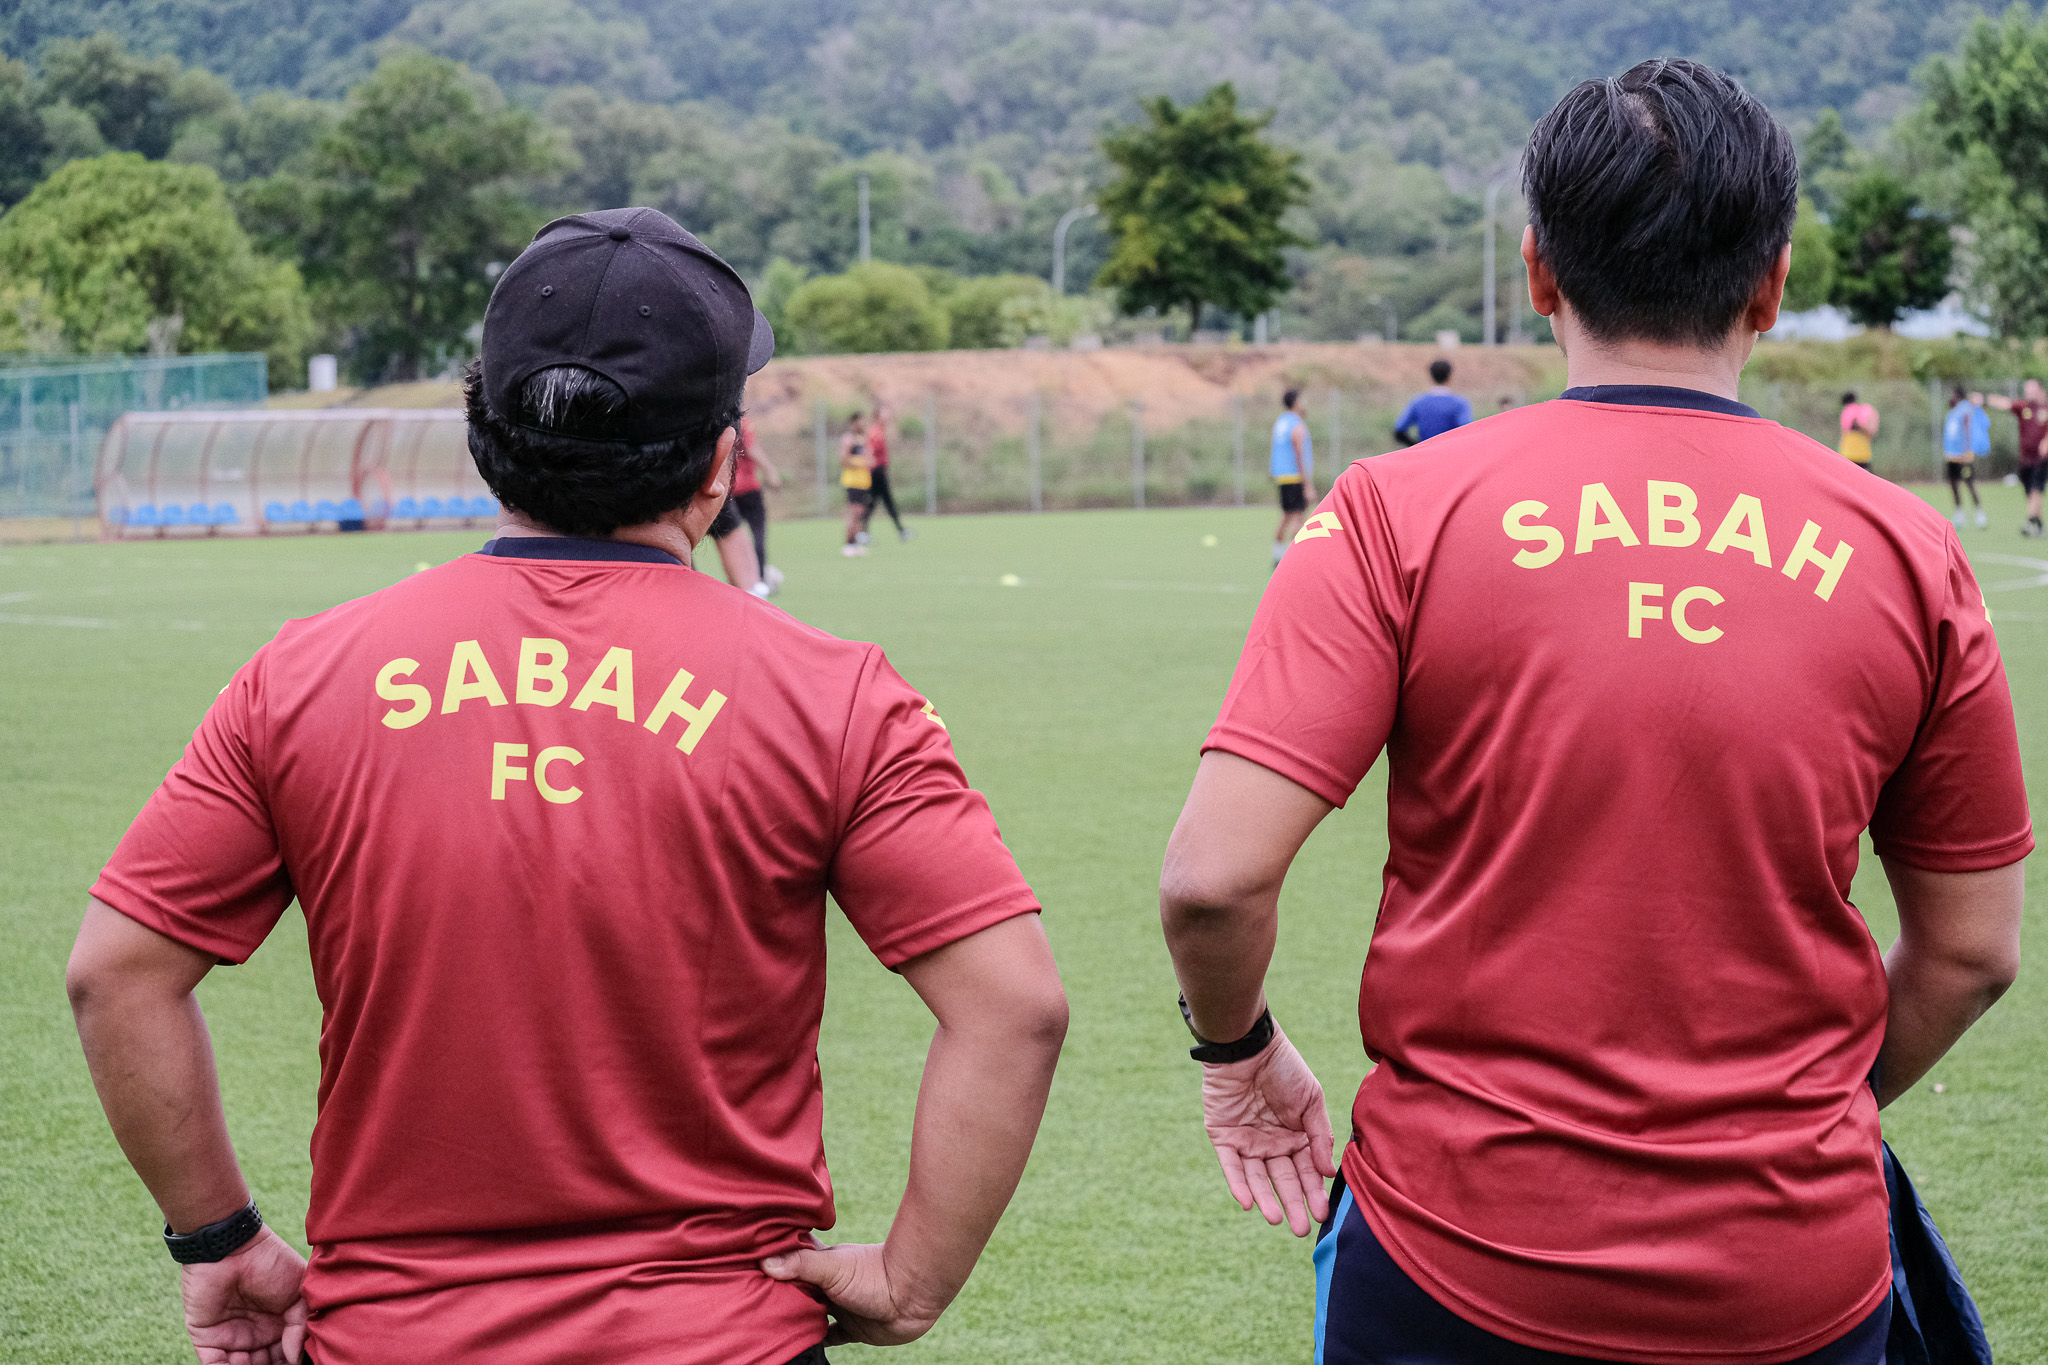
1368, 1312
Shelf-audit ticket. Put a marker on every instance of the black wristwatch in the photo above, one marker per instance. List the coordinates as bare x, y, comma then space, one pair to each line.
1215, 1054
215, 1241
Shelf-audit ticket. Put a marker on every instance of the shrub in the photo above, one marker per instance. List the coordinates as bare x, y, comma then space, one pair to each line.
872, 307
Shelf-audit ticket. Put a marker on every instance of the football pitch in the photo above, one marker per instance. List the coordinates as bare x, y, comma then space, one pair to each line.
1076, 697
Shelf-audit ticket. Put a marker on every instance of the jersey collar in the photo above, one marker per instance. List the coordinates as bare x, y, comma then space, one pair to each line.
1659, 396
575, 547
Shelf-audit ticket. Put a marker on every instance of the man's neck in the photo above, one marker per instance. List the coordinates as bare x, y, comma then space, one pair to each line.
667, 534
1591, 363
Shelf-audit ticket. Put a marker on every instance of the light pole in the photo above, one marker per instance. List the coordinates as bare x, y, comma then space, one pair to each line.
864, 222
1059, 245
1487, 308
1393, 318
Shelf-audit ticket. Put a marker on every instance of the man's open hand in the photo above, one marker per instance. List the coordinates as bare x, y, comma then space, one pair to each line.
865, 1306
247, 1309
1265, 1116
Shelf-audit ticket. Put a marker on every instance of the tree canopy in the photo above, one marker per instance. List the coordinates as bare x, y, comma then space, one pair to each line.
1195, 209
129, 254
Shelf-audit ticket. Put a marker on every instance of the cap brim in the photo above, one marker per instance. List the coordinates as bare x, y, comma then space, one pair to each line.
762, 348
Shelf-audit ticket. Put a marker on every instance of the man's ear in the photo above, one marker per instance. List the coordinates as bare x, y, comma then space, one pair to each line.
718, 482
1543, 295
1770, 293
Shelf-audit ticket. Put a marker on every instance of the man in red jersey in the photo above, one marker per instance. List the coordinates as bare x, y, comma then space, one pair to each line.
1644, 667
878, 470
562, 817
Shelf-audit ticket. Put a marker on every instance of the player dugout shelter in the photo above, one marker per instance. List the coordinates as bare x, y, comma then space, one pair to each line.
268, 471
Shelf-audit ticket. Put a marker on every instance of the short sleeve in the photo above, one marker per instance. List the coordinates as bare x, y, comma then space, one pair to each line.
1316, 688
200, 864
1958, 802
920, 862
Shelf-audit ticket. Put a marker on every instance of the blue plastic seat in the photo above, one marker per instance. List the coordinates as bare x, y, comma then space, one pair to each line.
145, 515
326, 510
117, 516
300, 511
431, 507
276, 511
171, 515
351, 510
199, 514
407, 507
483, 507
224, 514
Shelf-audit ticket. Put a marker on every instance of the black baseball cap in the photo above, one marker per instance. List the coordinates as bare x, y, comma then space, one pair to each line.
628, 294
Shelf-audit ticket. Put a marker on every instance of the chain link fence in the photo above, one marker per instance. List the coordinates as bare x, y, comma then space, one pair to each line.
55, 414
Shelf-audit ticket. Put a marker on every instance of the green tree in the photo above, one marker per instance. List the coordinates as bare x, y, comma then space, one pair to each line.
1195, 211
778, 284
130, 99
1811, 282
1823, 158
131, 254
976, 307
1891, 254
22, 146
1990, 106
414, 196
872, 307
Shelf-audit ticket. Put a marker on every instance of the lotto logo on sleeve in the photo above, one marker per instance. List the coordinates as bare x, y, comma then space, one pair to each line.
1671, 519
1318, 527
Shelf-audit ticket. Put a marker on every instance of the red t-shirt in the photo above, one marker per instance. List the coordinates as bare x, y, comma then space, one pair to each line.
562, 831
746, 475
2033, 427
1643, 675
878, 446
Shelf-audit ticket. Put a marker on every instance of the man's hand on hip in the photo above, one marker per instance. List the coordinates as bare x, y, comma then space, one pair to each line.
1265, 1117
865, 1306
248, 1309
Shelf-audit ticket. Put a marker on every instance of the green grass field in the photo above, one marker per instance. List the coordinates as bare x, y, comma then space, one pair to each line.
1076, 700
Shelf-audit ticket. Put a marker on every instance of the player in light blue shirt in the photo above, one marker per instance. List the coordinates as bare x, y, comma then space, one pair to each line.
1293, 469
1965, 437
1434, 411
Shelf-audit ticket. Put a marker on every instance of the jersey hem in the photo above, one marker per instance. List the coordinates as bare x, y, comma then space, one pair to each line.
1980, 858
1543, 1339
170, 923
1296, 767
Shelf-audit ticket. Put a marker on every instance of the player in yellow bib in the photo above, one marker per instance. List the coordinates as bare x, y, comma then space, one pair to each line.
857, 477
1859, 425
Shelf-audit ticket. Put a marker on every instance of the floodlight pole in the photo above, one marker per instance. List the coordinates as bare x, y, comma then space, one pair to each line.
864, 243
1059, 245
1489, 309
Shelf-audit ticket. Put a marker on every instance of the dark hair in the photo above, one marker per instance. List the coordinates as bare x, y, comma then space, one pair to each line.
1439, 371
1957, 394
559, 459
1848, 398
1288, 398
1660, 199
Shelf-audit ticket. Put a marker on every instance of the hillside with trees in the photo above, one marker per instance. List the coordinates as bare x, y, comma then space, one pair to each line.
976, 124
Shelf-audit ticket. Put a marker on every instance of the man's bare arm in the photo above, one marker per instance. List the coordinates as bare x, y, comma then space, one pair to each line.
1957, 951
1219, 902
1002, 1016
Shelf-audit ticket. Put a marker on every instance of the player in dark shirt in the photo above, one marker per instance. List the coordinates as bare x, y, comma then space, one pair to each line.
2032, 410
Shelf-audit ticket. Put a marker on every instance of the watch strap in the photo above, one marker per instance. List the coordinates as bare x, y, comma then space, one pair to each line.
215, 1241
1217, 1054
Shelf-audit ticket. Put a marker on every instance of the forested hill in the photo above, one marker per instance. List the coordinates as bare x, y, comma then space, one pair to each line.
936, 73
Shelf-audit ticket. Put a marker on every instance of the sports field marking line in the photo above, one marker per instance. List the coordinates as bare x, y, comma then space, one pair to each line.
2039, 566
1136, 585
12, 597
9, 618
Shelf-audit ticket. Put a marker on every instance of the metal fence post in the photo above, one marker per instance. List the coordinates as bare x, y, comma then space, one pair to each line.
1237, 445
818, 435
1037, 453
1137, 454
931, 454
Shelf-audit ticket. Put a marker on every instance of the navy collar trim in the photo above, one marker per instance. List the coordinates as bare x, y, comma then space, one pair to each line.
576, 547
1659, 396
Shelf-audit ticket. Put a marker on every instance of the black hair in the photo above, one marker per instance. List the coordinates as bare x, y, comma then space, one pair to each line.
1287, 399
1439, 371
1957, 393
1660, 200
560, 459
1848, 398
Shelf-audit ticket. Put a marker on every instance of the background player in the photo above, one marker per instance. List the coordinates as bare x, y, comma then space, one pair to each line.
1859, 429
857, 477
1434, 411
2031, 409
745, 558
878, 463
1965, 435
1293, 467
572, 988
1631, 1035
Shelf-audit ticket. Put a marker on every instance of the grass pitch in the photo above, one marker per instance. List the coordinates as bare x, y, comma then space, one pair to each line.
1076, 699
